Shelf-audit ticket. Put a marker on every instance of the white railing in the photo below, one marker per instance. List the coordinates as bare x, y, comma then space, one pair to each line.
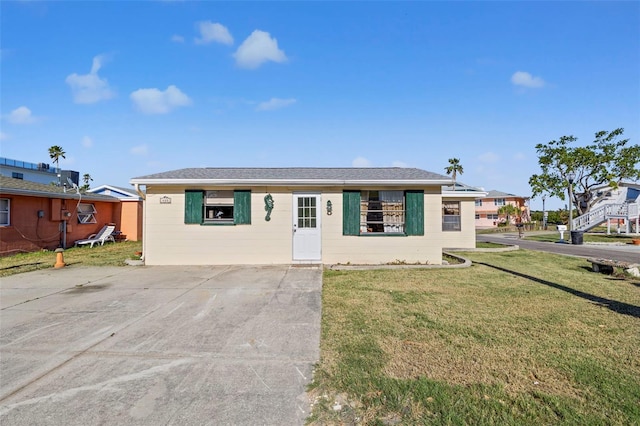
596, 216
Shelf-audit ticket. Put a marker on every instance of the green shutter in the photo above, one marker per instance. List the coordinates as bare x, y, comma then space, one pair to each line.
242, 207
414, 216
351, 213
193, 206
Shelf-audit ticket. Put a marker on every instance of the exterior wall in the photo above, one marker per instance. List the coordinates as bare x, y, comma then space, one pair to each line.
131, 219
488, 207
377, 249
466, 237
168, 240
27, 232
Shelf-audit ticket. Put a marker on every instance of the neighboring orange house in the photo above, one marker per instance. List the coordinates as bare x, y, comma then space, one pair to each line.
35, 216
131, 209
487, 209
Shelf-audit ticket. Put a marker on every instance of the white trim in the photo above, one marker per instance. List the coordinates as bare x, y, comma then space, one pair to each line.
127, 194
463, 194
8, 212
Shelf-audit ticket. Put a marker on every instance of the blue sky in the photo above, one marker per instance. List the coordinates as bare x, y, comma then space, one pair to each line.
133, 88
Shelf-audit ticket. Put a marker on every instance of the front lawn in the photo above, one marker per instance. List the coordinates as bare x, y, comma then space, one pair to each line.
521, 337
110, 254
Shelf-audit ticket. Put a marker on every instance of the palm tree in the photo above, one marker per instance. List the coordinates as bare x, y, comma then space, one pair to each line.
454, 168
508, 210
86, 178
55, 152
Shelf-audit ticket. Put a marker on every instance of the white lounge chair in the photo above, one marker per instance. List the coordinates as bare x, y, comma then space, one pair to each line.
105, 234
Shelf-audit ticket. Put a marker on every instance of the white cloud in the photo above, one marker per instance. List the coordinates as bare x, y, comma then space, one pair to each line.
177, 38
399, 164
522, 78
155, 101
361, 162
90, 88
140, 150
213, 33
21, 115
519, 156
489, 157
258, 48
275, 103
87, 142
3, 136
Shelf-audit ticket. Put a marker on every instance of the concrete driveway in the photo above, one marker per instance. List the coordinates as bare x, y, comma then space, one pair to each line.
159, 345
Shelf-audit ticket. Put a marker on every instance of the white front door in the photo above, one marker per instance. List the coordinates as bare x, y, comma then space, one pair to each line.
306, 227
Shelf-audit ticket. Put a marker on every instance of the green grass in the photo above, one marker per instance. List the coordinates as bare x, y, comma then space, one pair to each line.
519, 338
587, 238
111, 254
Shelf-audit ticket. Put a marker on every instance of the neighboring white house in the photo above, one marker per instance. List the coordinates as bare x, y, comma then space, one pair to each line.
618, 207
203, 216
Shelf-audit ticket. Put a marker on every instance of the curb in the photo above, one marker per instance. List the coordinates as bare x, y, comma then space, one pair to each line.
337, 267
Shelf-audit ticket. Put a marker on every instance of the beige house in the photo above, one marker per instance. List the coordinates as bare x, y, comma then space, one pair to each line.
205, 216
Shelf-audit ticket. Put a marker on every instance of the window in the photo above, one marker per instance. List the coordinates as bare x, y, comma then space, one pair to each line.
478, 203
86, 213
4, 211
451, 216
499, 202
492, 216
307, 212
217, 207
17, 175
477, 216
383, 212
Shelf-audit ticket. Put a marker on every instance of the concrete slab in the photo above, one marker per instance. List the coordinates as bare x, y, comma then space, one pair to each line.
159, 345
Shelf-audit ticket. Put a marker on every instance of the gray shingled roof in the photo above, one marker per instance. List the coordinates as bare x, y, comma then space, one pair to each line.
499, 194
34, 189
296, 174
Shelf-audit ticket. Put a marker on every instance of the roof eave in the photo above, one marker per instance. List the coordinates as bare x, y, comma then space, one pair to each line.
464, 194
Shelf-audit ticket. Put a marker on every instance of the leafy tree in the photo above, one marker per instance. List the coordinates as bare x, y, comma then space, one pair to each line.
508, 210
453, 169
607, 161
55, 152
86, 178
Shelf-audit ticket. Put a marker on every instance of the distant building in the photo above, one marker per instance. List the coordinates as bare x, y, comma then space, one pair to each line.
39, 173
487, 209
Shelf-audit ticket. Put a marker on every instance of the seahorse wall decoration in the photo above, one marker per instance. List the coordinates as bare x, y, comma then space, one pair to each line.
268, 206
